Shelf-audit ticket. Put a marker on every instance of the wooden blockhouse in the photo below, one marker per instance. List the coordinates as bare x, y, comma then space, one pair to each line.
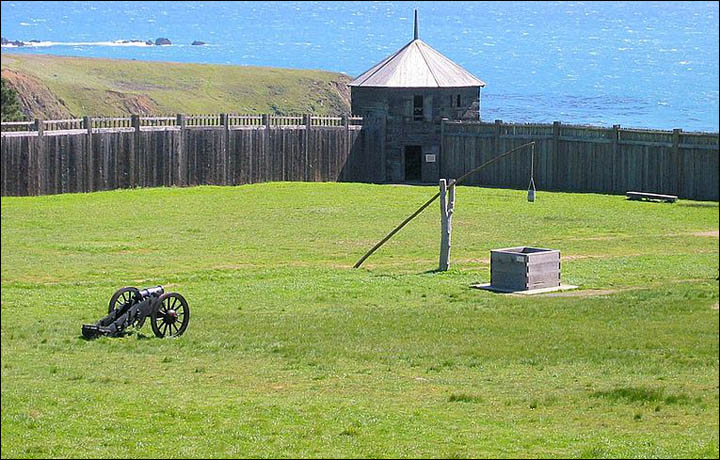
406, 96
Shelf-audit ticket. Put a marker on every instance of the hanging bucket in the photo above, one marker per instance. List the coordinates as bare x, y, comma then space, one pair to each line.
531, 187
531, 191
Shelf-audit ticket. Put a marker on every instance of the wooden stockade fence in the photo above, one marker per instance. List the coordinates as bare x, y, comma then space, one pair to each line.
585, 158
90, 154
115, 124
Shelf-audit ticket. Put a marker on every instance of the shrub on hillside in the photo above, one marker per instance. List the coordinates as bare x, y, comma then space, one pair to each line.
9, 104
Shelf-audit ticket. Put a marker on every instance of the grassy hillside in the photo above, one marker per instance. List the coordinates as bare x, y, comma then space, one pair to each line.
291, 353
57, 87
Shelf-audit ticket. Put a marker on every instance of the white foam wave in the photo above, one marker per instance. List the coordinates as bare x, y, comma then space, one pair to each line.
44, 44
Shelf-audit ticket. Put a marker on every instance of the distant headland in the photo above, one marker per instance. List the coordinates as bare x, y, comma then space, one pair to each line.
118, 87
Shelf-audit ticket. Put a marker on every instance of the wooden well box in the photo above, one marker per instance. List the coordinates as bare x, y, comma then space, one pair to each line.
524, 268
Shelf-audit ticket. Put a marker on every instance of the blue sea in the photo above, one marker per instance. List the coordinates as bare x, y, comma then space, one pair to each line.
637, 64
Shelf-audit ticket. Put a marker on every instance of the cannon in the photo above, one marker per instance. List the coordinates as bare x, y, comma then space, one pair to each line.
169, 313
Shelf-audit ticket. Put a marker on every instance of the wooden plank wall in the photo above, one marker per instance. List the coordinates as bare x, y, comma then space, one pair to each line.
81, 162
567, 157
585, 159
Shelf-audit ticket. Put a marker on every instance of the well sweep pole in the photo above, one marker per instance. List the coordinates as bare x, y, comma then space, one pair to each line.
430, 201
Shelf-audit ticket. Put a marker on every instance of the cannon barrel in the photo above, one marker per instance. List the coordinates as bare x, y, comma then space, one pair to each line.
153, 291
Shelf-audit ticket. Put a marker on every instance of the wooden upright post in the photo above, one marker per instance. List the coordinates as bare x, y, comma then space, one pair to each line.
307, 119
502, 174
39, 127
225, 120
679, 163
341, 172
182, 158
619, 181
90, 171
135, 152
265, 164
447, 206
87, 124
550, 176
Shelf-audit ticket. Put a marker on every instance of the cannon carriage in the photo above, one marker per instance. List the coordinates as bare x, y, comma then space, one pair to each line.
169, 313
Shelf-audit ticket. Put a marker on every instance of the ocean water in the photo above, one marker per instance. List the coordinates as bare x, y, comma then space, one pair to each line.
637, 64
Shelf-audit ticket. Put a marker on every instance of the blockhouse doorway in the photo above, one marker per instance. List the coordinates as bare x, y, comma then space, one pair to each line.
413, 163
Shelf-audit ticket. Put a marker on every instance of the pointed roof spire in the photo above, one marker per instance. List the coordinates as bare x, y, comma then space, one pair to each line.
416, 26
417, 65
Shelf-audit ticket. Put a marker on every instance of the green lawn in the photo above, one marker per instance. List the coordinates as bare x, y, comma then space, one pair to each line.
292, 353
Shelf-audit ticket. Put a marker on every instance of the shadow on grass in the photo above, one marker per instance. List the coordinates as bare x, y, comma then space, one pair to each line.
464, 397
139, 336
699, 205
641, 394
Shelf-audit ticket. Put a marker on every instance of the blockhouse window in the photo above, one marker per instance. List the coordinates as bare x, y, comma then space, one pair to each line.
418, 107
458, 100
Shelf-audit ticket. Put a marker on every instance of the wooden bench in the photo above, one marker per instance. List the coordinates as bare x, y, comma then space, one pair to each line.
650, 197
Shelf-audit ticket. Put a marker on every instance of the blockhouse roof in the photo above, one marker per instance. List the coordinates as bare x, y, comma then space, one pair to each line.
417, 65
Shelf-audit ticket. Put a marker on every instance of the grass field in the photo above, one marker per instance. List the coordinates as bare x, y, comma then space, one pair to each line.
291, 353
57, 87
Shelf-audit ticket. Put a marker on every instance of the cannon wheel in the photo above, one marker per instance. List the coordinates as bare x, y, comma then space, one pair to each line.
171, 315
121, 297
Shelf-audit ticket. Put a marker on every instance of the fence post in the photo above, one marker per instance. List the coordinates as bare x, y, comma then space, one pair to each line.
617, 164
550, 178
265, 151
501, 177
133, 154
31, 182
498, 130
342, 166
225, 120
556, 136
283, 156
39, 127
307, 121
679, 163
90, 179
182, 160
181, 121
